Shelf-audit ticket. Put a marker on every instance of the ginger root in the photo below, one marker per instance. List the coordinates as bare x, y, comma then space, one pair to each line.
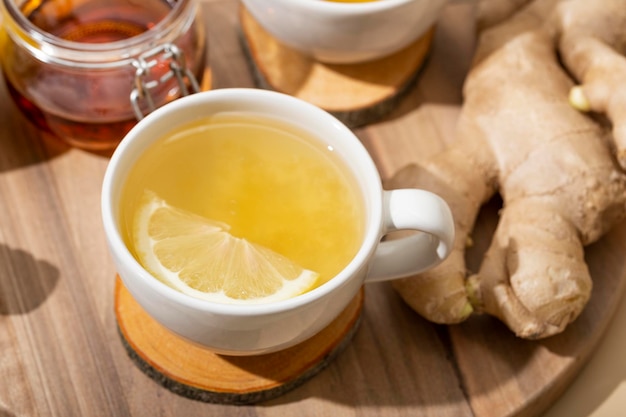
554, 166
593, 51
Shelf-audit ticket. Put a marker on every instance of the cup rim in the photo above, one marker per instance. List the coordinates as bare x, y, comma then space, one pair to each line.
133, 142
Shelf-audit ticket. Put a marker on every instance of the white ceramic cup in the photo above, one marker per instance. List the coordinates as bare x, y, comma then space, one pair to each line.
346, 33
262, 328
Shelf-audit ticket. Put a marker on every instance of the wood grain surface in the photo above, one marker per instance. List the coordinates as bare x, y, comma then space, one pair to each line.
60, 351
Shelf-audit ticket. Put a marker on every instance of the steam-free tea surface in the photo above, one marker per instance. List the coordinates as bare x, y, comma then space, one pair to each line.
262, 187
61, 348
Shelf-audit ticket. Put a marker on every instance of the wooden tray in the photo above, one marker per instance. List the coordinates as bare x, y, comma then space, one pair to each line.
61, 351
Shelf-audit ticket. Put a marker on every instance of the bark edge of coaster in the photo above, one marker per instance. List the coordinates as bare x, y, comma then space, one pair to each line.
357, 94
197, 373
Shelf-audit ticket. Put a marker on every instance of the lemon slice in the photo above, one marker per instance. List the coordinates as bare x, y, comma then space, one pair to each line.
199, 257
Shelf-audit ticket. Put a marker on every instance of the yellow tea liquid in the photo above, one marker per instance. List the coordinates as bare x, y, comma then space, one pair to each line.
271, 182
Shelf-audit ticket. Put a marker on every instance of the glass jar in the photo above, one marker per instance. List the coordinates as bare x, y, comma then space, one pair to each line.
87, 70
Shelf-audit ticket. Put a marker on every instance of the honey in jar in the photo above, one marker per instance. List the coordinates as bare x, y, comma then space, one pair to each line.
87, 70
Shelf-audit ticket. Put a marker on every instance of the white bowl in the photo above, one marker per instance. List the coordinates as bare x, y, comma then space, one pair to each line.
344, 33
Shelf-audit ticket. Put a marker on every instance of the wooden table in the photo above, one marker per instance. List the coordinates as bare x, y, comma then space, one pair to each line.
61, 355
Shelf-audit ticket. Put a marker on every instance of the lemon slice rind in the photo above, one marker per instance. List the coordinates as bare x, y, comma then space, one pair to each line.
145, 246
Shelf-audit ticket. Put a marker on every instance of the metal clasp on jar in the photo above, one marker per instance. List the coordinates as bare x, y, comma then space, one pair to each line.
144, 64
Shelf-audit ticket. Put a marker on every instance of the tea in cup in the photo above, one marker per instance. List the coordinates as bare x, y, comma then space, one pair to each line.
246, 220
346, 32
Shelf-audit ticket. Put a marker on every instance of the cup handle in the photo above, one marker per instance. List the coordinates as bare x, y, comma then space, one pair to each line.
424, 212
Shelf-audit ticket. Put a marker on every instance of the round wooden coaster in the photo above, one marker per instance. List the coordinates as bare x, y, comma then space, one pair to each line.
192, 371
357, 94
